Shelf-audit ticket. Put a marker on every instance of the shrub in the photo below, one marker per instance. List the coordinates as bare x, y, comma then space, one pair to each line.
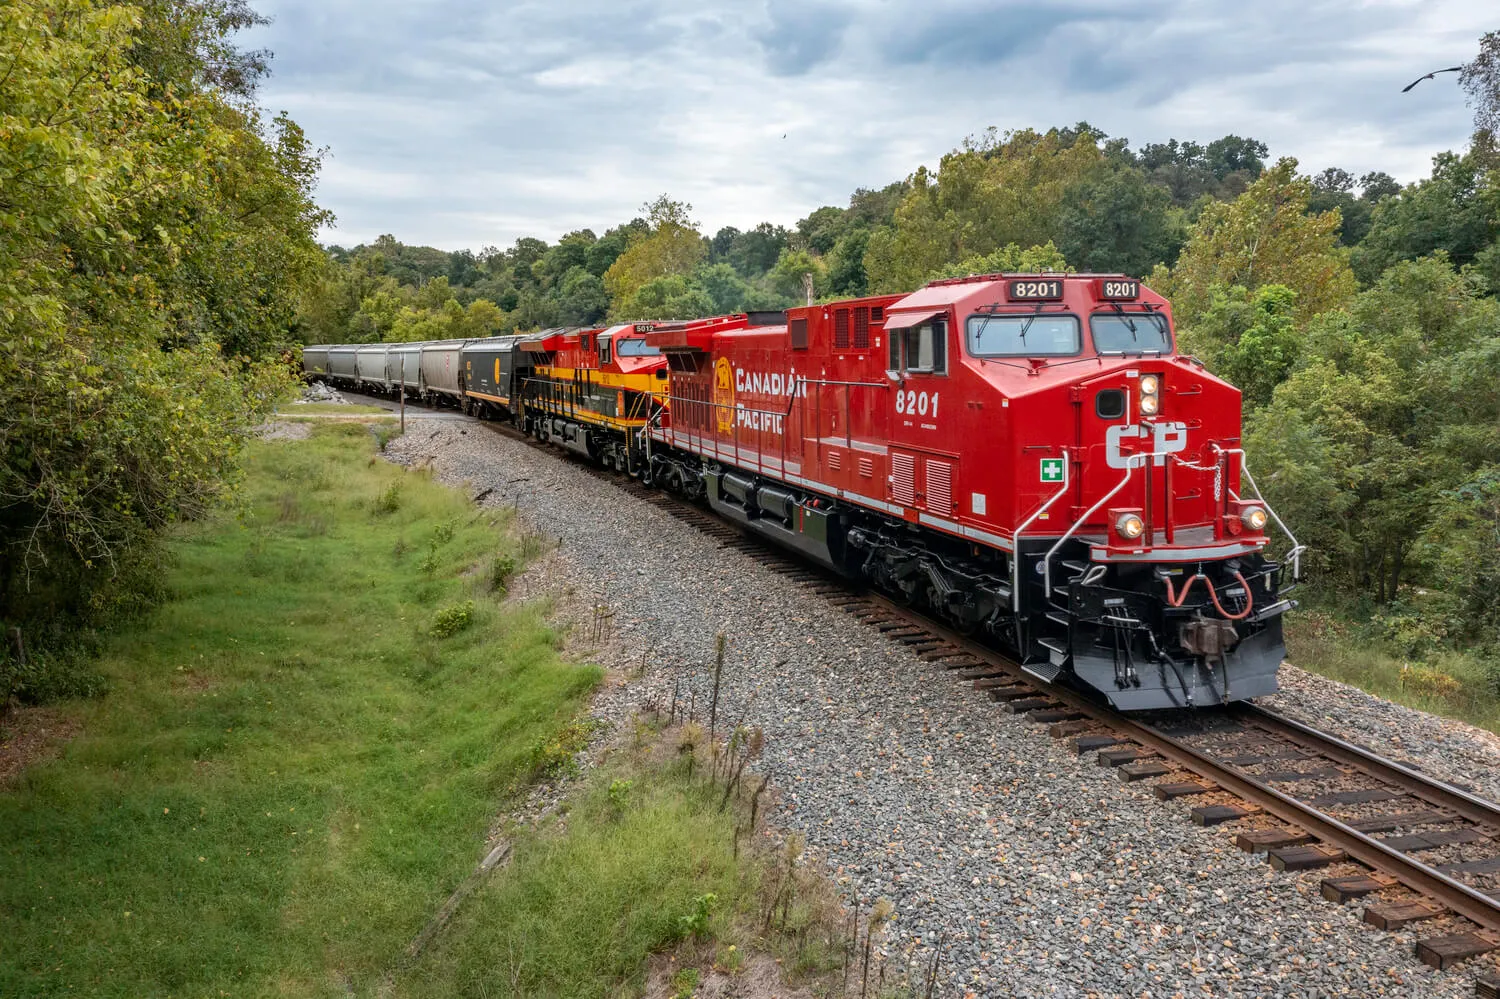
389, 500
1422, 680
501, 570
695, 923
451, 620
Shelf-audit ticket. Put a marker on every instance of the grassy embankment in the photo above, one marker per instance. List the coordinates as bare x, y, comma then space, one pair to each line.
1394, 660
301, 753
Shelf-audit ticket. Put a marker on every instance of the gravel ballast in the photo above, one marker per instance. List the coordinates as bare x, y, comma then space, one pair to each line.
1037, 871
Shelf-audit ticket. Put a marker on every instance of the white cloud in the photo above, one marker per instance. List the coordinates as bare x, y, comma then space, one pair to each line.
460, 124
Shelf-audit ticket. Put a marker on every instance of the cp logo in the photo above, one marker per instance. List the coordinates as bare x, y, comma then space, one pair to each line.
1166, 438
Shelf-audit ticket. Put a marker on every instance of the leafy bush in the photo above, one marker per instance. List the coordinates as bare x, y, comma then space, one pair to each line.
556, 755
451, 620
501, 570
389, 500
695, 923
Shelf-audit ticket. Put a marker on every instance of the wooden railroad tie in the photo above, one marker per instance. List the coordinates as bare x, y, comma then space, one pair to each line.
1131, 772
1212, 815
1397, 820
1443, 953
1305, 858
1046, 716
1122, 755
1021, 705
1182, 789
1394, 915
1487, 987
1089, 743
1066, 728
1343, 889
1275, 838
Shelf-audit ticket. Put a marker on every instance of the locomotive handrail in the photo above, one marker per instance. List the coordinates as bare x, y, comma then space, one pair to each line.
1015, 539
1297, 547
1132, 462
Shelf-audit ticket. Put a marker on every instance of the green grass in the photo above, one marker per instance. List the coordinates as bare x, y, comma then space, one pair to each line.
1333, 641
643, 862
291, 772
329, 409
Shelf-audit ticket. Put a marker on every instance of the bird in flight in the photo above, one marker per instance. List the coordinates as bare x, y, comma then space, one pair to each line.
1429, 76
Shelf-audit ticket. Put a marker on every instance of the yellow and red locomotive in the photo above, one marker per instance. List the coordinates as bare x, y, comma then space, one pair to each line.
1025, 455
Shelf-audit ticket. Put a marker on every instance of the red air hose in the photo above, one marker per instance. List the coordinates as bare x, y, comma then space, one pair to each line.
1176, 599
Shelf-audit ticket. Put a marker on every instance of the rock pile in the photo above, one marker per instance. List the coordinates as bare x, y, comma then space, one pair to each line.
319, 392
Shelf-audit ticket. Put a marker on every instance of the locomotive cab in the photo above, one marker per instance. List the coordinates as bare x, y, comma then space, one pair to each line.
1113, 466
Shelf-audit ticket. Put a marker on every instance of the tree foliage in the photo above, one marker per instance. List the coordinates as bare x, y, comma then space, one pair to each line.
1265, 236
155, 232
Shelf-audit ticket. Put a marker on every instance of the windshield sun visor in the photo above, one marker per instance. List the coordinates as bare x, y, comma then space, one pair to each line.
906, 320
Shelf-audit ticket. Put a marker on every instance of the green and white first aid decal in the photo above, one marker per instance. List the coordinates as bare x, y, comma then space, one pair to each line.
1052, 469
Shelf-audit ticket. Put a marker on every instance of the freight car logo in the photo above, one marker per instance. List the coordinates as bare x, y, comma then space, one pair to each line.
724, 395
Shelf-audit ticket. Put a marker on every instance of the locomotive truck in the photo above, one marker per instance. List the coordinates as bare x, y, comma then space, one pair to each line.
1025, 456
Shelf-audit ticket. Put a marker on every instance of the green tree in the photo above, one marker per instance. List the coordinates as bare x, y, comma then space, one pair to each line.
673, 247
1456, 210
1265, 236
1250, 339
1117, 221
156, 235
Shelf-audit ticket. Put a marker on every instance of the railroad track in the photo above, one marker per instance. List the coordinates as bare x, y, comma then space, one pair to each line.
1319, 801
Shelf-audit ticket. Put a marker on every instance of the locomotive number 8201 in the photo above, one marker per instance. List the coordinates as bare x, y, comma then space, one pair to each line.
1046, 290
1118, 289
910, 403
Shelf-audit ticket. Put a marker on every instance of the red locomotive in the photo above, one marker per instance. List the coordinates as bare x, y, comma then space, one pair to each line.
1025, 455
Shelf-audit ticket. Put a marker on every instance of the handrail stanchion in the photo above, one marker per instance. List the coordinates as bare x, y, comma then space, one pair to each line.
1015, 539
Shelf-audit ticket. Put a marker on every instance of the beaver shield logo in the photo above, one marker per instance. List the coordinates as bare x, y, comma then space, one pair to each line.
724, 395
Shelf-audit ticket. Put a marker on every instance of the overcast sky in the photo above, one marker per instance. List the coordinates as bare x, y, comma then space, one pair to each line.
460, 123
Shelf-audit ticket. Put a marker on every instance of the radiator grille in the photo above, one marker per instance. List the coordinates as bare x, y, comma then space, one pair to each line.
835, 460
904, 479
939, 486
841, 329
867, 468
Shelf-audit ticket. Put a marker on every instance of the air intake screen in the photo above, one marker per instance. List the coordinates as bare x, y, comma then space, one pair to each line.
861, 328
840, 329
798, 329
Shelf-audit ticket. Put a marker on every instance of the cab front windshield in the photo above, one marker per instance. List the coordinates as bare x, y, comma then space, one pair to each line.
635, 347
1130, 333
1026, 334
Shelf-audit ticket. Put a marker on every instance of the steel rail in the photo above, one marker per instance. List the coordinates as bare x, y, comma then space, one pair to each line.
1455, 895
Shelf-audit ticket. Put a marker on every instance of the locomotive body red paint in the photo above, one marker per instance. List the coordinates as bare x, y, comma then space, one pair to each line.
965, 449
1028, 453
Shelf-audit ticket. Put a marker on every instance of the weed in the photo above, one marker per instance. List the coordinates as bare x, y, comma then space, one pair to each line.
1432, 682
685, 983
442, 534
450, 620
694, 925
430, 563
501, 570
619, 792
555, 756
389, 500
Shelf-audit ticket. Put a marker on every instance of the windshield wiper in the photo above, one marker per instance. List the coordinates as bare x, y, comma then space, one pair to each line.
1031, 319
1130, 323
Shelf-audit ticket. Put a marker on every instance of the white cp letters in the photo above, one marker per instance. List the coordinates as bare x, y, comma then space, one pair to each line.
1166, 438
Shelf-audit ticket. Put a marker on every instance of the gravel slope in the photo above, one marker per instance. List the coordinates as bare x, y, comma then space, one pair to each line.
1038, 871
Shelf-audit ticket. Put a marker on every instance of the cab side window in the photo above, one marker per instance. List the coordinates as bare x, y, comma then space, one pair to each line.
604, 343
920, 349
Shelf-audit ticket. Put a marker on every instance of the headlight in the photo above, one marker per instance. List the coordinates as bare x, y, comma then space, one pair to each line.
1149, 384
1130, 526
1254, 517
1150, 404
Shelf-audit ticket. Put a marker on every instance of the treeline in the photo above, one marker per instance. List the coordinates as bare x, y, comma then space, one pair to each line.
1070, 194
156, 230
